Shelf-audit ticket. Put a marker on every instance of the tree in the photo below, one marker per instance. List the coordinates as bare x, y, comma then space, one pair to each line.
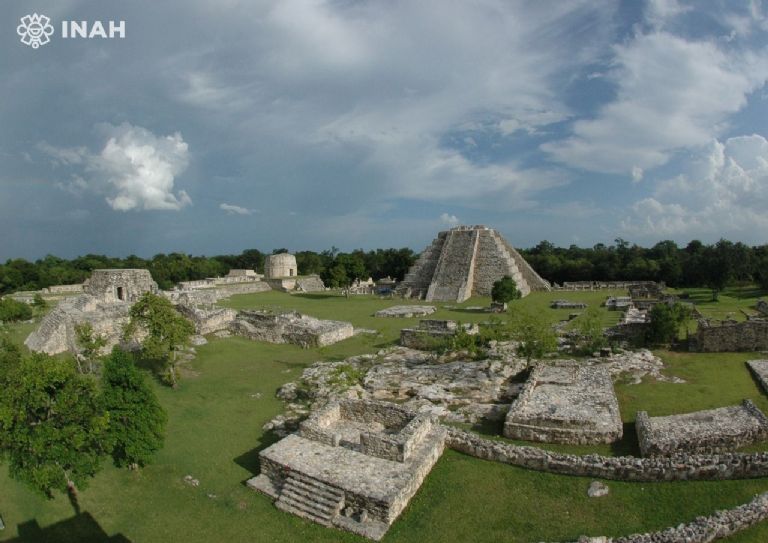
136, 419
90, 346
53, 425
39, 302
12, 310
589, 325
10, 358
534, 335
167, 332
665, 323
505, 290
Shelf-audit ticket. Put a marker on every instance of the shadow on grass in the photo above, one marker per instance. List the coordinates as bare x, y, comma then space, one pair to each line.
310, 296
250, 460
82, 528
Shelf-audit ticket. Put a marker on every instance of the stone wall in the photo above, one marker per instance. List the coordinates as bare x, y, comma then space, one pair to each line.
431, 331
63, 289
711, 431
759, 369
310, 283
762, 307
719, 525
677, 467
119, 285
713, 336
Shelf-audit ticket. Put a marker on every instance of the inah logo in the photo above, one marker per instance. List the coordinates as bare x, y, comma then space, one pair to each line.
35, 30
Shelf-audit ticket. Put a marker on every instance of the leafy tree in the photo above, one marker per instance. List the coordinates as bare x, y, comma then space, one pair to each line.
53, 425
10, 358
90, 345
665, 323
12, 310
39, 302
167, 332
505, 290
534, 335
136, 419
589, 325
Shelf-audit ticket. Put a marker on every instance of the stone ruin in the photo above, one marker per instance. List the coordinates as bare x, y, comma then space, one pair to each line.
105, 304
466, 261
290, 327
762, 307
119, 285
759, 369
566, 402
712, 431
430, 331
721, 336
354, 464
406, 311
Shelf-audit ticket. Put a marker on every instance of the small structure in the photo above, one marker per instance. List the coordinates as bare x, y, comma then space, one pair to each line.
430, 331
244, 274
355, 465
710, 431
762, 307
635, 316
618, 303
385, 285
566, 304
566, 402
406, 311
290, 327
118, 285
280, 265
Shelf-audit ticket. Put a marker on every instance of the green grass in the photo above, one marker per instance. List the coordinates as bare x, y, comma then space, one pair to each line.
214, 434
729, 304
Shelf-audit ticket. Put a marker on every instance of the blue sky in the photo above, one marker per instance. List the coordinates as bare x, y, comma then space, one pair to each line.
216, 126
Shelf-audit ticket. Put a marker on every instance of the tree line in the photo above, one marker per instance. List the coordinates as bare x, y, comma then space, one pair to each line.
693, 265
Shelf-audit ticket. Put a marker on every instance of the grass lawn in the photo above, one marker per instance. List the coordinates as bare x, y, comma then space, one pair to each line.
227, 394
730, 302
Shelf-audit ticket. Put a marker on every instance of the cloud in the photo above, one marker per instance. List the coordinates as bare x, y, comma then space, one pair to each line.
723, 193
235, 210
449, 220
135, 169
637, 174
672, 94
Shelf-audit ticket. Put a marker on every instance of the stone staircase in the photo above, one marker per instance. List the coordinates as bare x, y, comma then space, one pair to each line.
310, 498
420, 275
449, 283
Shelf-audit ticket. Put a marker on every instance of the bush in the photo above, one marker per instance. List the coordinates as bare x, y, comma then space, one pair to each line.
665, 323
505, 290
12, 310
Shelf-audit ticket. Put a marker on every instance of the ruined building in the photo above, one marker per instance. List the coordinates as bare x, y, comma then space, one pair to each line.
465, 261
280, 265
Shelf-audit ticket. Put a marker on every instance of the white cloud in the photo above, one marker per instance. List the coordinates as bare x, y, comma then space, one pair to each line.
724, 192
136, 169
449, 220
671, 94
637, 174
235, 210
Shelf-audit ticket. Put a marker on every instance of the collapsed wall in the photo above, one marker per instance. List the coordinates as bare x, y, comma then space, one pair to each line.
290, 327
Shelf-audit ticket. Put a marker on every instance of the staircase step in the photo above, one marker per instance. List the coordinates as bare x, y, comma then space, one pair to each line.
311, 501
317, 494
308, 481
288, 507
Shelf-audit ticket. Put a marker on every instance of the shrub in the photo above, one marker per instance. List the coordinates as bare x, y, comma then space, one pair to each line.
12, 310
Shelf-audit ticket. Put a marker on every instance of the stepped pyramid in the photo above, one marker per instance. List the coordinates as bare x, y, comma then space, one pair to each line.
465, 261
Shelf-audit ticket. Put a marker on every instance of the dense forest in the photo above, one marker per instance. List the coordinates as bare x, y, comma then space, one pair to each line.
696, 264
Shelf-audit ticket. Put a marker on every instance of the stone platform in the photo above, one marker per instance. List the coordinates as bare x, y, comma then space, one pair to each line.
759, 369
290, 327
566, 402
406, 311
710, 431
355, 464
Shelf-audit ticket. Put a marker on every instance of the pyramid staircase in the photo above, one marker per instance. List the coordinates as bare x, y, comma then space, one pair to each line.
310, 498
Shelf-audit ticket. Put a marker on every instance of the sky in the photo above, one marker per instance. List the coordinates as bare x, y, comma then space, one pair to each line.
215, 126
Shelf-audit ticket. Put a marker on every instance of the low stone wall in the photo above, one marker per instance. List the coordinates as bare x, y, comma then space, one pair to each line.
719, 525
759, 369
762, 307
63, 289
678, 467
730, 336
